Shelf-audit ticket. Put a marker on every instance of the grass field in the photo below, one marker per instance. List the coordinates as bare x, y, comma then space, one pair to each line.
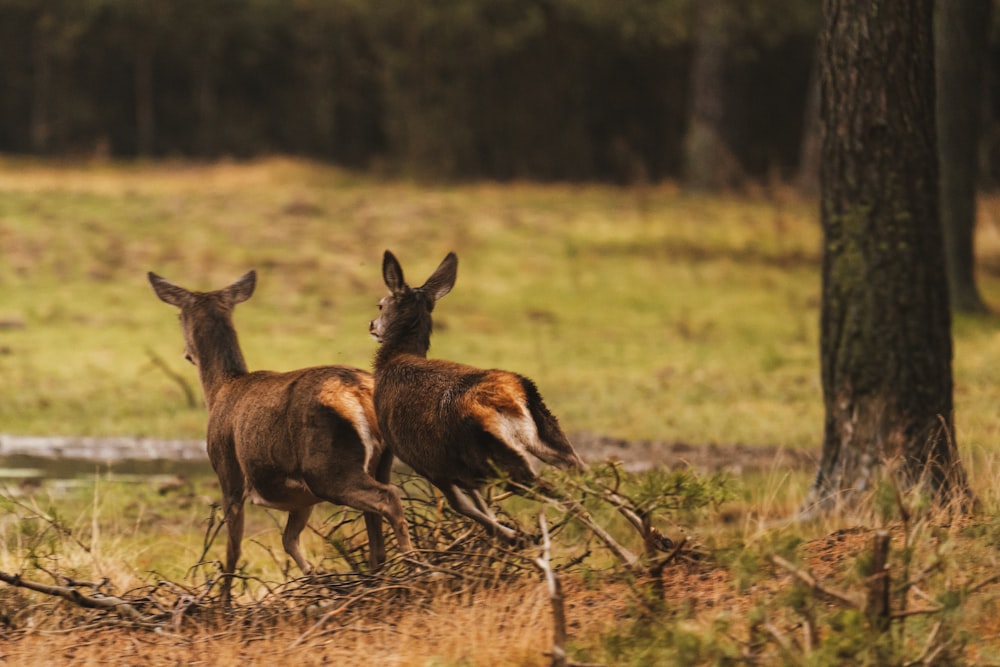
642, 313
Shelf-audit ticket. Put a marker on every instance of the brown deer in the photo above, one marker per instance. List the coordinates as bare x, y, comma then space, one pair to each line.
454, 424
284, 440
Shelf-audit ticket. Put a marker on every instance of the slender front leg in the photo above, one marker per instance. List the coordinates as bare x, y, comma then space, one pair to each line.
461, 504
297, 520
234, 530
381, 470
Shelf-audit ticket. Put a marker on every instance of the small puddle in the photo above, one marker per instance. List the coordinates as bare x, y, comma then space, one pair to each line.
22, 474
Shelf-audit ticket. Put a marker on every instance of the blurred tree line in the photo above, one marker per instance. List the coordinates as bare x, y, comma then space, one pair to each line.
536, 89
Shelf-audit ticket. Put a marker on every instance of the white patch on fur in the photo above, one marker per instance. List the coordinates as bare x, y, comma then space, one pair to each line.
517, 432
361, 425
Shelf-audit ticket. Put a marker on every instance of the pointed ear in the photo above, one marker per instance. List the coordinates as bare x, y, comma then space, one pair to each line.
168, 292
443, 278
242, 289
392, 273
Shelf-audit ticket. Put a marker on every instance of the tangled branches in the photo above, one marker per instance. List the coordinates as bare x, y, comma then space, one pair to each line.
452, 557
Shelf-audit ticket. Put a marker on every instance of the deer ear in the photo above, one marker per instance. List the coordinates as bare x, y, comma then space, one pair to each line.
242, 289
443, 278
168, 292
392, 273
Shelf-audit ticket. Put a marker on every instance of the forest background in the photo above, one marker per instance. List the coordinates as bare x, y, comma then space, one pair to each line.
722, 349
544, 90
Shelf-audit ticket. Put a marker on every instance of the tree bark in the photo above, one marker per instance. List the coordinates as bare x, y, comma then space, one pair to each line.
885, 322
961, 31
811, 144
41, 84
145, 118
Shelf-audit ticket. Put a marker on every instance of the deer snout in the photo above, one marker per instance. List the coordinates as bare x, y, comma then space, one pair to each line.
373, 330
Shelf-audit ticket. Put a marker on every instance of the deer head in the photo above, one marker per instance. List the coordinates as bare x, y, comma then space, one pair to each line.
203, 311
405, 313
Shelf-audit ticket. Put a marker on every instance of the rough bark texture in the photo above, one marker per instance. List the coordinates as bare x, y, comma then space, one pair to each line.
811, 145
961, 32
885, 321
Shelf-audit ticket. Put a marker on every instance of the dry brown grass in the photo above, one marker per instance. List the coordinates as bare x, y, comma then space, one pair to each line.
508, 626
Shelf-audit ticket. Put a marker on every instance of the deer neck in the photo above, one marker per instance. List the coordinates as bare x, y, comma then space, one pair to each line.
412, 340
220, 360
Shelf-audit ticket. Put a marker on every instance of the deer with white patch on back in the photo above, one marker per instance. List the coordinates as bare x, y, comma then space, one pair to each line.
455, 424
284, 440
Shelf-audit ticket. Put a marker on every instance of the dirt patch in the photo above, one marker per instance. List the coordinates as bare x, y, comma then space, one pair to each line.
640, 455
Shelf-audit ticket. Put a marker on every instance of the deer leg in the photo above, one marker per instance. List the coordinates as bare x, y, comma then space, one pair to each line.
382, 470
297, 520
484, 506
234, 531
378, 499
461, 504
376, 540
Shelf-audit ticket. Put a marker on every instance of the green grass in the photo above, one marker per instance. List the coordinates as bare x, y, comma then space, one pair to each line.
638, 313
641, 313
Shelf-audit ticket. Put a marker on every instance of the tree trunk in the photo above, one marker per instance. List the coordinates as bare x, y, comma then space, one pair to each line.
709, 164
206, 97
961, 30
811, 144
41, 84
145, 119
885, 322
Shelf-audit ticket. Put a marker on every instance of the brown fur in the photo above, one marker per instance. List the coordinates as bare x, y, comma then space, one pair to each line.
452, 423
284, 440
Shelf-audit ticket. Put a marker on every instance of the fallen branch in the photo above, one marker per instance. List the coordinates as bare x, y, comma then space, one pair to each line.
110, 602
340, 610
815, 585
982, 584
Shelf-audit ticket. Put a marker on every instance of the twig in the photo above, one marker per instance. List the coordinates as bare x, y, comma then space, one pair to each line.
158, 362
210, 535
53, 522
982, 584
922, 659
341, 609
815, 585
555, 597
629, 559
777, 635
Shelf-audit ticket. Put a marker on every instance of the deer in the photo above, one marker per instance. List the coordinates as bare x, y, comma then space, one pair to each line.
284, 440
459, 425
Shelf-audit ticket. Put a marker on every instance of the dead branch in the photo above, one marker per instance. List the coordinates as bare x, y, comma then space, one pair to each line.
555, 597
784, 642
574, 507
983, 584
930, 650
339, 610
815, 585
97, 601
877, 607
157, 362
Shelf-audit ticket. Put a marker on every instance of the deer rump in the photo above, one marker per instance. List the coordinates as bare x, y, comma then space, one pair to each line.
457, 424
291, 437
